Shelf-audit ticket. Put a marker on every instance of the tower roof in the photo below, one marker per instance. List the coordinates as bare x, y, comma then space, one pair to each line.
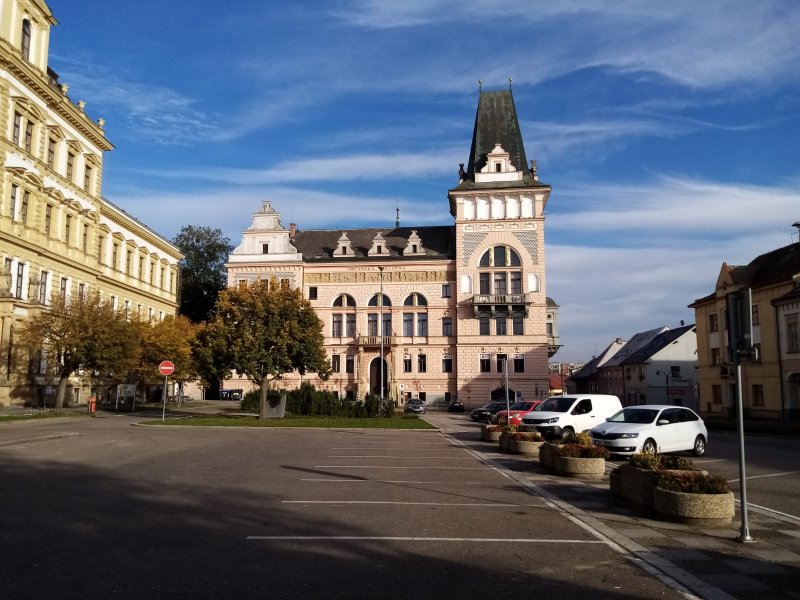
496, 123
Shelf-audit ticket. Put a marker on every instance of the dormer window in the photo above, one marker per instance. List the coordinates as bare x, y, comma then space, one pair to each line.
343, 247
414, 245
498, 167
378, 245
264, 248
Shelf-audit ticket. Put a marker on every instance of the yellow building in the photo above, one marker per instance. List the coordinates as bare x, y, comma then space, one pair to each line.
58, 235
433, 312
770, 383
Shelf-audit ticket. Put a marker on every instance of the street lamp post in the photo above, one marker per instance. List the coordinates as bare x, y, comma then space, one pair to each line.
380, 330
666, 385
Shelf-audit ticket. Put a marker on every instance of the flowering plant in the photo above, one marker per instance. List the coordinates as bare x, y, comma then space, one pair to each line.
692, 482
528, 436
582, 451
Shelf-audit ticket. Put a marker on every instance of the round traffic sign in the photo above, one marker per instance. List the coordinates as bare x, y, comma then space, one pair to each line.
166, 367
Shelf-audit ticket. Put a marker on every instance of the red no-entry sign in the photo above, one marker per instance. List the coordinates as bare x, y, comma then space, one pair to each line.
166, 367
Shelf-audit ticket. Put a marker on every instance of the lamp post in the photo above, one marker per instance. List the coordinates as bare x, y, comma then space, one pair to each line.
666, 384
380, 330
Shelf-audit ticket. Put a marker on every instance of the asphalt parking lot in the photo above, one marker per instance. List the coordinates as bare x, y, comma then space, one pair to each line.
99, 508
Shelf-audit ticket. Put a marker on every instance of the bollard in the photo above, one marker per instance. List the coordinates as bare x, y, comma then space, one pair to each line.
92, 405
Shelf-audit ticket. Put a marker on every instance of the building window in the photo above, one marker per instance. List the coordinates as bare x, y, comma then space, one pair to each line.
422, 363
85, 237
12, 207
337, 325
519, 363
17, 135
675, 372
518, 325
51, 152
484, 326
422, 325
115, 256
25, 46
43, 287
447, 326
484, 283
713, 322
447, 363
755, 315
501, 362
28, 136
406, 363
24, 207
792, 333
87, 177
408, 324
446, 290
101, 242
350, 363
48, 219
386, 328
336, 363
516, 282
20, 276
127, 309
312, 293
758, 394
500, 325
350, 323
264, 248
486, 363
81, 290
141, 267
150, 313
716, 394
372, 324
127, 262
715, 357
63, 288
70, 165
67, 228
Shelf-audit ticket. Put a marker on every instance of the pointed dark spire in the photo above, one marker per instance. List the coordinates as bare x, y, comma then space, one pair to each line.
496, 123
397, 218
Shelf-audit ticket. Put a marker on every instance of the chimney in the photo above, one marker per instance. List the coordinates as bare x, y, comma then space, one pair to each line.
292, 230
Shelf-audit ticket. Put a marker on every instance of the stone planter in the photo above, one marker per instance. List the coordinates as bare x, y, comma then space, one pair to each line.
489, 436
525, 447
635, 484
505, 441
547, 454
584, 468
703, 510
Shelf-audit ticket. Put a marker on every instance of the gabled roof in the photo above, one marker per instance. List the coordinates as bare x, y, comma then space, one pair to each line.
662, 340
318, 245
590, 368
636, 343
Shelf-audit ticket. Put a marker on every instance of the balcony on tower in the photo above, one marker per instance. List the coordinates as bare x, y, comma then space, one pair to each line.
501, 303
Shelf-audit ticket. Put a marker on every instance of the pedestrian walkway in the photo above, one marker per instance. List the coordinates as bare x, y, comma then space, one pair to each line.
704, 562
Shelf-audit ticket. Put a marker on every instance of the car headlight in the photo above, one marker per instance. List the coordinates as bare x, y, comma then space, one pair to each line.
553, 420
624, 436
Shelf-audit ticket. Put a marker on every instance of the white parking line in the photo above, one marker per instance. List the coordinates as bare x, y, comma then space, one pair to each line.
407, 456
767, 475
333, 480
397, 502
384, 467
414, 539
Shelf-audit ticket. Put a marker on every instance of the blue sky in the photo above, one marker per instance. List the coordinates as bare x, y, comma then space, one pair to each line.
670, 131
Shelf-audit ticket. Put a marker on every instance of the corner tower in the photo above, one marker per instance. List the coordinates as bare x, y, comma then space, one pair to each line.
498, 206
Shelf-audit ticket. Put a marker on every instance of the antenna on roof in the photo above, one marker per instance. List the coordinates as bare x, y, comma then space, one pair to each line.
509, 84
480, 85
397, 218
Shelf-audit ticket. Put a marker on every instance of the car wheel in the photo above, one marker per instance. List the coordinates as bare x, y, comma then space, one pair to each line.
699, 446
567, 431
649, 447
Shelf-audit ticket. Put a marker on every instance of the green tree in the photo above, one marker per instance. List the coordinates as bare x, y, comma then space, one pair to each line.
169, 339
82, 333
203, 275
269, 330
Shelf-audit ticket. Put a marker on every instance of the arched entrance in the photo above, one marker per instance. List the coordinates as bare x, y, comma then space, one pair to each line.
375, 377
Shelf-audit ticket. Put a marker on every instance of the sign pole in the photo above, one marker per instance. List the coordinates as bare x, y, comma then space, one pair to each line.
166, 368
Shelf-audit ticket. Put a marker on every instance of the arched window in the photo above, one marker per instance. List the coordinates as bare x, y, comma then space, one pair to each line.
344, 300
374, 300
415, 299
500, 256
498, 271
26, 39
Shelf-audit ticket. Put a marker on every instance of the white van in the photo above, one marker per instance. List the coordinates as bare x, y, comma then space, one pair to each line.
560, 415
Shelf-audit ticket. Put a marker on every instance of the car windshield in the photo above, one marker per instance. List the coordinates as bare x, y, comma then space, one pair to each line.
494, 405
556, 404
635, 415
520, 406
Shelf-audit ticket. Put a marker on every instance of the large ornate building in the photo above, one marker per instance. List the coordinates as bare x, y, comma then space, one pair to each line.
442, 308
58, 235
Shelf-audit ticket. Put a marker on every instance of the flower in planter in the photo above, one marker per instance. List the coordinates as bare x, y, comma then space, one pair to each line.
657, 462
582, 451
528, 436
493, 428
510, 428
690, 482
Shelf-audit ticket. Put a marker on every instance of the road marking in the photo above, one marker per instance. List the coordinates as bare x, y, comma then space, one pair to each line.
771, 512
414, 539
392, 456
397, 502
713, 460
385, 467
44, 438
332, 480
767, 475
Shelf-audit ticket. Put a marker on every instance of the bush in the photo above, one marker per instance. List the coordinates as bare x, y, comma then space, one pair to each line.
657, 462
695, 482
528, 436
584, 438
494, 427
511, 428
668, 461
582, 451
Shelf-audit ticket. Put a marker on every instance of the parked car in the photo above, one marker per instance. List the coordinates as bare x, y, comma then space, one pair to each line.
517, 411
652, 428
559, 415
415, 406
487, 411
455, 406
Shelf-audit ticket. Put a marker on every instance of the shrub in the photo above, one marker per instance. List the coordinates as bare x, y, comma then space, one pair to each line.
528, 436
694, 482
251, 401
494, 427
669, 461
511, 428
584, 438
594, 452
657, 462
582, 451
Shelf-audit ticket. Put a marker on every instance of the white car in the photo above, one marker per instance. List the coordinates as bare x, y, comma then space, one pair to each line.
652, 428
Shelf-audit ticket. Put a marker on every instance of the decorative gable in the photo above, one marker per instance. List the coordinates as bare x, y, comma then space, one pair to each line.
343, 246
414, 246
378, 246
498, 167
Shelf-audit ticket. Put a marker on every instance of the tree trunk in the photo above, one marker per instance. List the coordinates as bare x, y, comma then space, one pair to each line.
262, 405
62, 388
